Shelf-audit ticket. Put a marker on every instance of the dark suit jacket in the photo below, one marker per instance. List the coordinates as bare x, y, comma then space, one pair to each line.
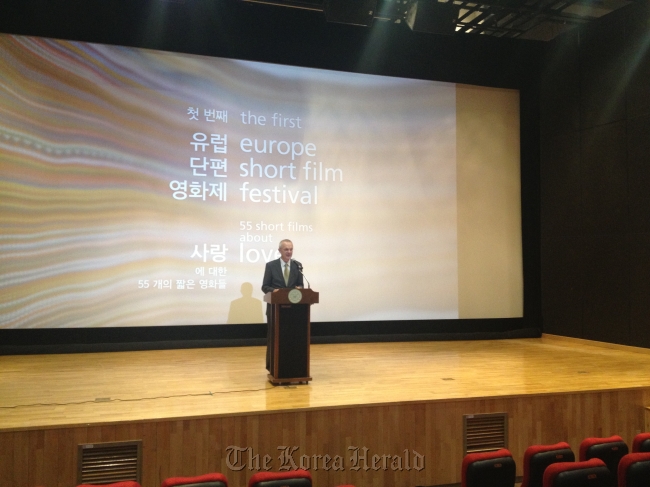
274, 279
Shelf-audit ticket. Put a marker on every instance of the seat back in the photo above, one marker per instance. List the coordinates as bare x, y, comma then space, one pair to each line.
634, 470
590, 473
641, 443
207, 480
489, 469
293, 478
538, 457
609, 450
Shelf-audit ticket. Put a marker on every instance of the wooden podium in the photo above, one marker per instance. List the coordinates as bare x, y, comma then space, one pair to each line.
290, 334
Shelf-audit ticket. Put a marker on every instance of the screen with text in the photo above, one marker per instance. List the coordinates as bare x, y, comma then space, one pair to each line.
147, 188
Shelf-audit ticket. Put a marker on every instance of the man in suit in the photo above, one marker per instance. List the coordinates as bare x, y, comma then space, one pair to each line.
278, 274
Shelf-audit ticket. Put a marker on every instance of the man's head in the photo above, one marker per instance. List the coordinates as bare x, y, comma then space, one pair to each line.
285, 249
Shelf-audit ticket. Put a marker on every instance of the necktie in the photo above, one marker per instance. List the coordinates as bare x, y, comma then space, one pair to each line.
286, 273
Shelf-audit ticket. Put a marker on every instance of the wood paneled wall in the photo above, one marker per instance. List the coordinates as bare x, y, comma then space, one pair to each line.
433, 430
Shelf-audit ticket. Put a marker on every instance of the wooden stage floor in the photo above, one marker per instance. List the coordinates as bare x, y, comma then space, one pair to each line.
559, 387
44, 391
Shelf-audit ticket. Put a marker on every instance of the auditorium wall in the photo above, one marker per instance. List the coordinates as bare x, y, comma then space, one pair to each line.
595, 181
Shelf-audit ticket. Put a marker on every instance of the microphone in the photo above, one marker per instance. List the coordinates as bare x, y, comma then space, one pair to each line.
303, 275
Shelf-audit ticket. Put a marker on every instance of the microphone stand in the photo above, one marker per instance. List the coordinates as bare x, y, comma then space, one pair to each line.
303, 275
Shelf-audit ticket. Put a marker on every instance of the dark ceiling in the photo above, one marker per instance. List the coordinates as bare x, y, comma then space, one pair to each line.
526, 19
536, 20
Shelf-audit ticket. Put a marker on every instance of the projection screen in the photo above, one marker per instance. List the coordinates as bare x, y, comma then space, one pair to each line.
146, 188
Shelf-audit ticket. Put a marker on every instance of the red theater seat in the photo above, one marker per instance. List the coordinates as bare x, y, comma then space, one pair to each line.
538, 457
207, 480
592, 473
293, 478
609, 450
488, 469
634, 470
641, 443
